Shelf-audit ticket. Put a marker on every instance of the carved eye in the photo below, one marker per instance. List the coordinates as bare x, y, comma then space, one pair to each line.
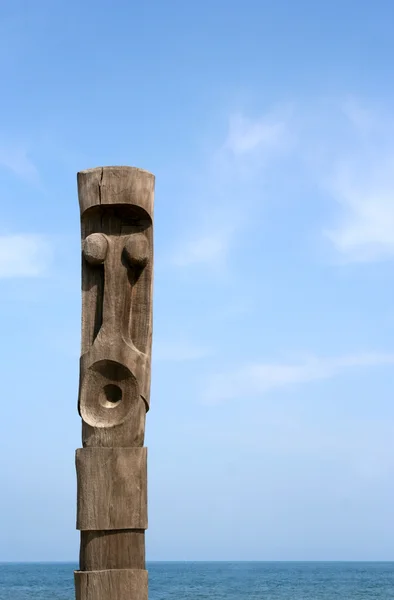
95, 248
136, 250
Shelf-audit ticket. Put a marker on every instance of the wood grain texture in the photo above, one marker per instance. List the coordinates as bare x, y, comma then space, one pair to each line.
117, 288
111, 488
119, 584
116, 185
116, 205
121, 549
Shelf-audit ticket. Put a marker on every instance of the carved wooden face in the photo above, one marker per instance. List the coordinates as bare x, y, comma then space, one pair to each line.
116, 313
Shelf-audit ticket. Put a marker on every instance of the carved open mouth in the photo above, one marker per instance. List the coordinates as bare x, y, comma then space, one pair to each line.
109, 391
111, 396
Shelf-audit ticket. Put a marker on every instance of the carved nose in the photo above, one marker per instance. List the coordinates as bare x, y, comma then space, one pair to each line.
108, 393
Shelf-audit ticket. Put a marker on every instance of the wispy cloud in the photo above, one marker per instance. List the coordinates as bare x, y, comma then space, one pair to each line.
361, 181
366, 229
233, 176
257, 379
346, 148
15, 158
24, 255
265, 134
210, 247
178, 351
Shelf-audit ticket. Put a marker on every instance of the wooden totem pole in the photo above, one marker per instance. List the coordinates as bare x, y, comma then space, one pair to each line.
116, 206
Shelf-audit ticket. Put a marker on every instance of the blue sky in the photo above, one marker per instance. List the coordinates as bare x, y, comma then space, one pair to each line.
270, 129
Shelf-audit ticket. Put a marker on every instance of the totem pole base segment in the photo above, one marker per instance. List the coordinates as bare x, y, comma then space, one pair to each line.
119, 584
114, 393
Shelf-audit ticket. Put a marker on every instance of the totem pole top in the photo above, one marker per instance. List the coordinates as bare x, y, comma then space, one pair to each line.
117, 185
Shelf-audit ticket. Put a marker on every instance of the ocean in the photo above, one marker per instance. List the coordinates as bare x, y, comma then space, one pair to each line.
217, 581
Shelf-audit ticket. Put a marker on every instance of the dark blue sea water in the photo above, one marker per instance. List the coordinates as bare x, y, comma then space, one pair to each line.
218, 581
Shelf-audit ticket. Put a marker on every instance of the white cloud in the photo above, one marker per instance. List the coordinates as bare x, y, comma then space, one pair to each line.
362, 183
16, 158
178, 351
232, 184
363, 119
366, 230
348, 150
257, 379
23, 255
209, 248
264, 134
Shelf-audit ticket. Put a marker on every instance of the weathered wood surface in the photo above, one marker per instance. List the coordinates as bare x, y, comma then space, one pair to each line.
119, 584
116, 205
120, 549
112, 490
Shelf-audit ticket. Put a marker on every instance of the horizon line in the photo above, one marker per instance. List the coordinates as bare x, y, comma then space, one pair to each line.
72, 562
